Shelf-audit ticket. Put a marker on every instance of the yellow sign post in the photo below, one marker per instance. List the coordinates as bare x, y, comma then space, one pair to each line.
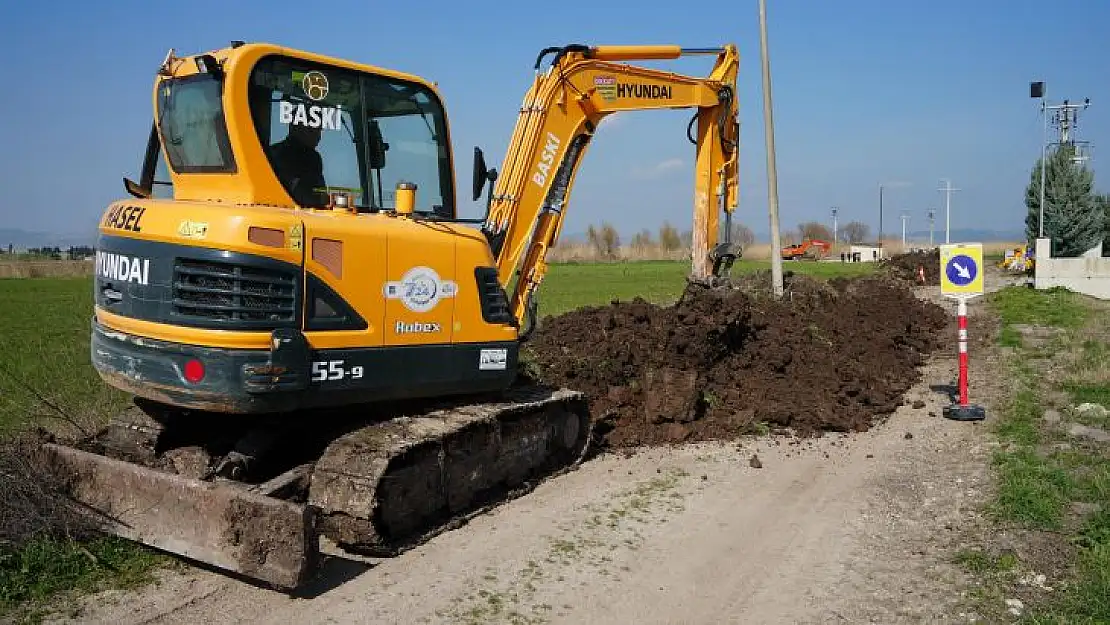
961, 270
961, 278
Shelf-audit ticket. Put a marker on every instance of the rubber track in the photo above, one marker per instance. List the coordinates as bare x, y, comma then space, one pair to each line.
447, 445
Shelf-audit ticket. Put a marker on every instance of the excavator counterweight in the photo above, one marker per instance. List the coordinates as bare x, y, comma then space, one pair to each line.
317, 344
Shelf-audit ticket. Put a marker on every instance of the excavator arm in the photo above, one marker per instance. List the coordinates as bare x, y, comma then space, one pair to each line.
559, 116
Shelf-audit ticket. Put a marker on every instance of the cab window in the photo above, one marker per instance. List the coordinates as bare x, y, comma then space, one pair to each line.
307, 119
192, 125
328, 130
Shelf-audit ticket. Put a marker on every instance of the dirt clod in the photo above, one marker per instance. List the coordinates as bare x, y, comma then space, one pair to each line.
829, 356
191, 461
918, 404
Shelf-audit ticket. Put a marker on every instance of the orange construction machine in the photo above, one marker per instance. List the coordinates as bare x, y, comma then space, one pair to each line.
812, 249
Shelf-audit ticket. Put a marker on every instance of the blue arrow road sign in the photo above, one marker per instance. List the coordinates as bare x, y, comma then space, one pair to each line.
961, 270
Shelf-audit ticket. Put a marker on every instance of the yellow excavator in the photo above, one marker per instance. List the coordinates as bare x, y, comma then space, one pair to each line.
317, 345
1019, 260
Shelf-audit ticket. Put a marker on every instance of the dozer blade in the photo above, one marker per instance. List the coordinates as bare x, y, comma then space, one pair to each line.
263, 538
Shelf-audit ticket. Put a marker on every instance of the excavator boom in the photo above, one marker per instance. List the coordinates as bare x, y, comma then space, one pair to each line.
558, 118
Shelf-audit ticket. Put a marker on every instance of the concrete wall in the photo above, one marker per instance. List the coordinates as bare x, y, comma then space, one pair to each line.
1088, 274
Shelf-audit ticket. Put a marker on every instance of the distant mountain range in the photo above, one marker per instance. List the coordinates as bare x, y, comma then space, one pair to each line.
958, 235
21, 240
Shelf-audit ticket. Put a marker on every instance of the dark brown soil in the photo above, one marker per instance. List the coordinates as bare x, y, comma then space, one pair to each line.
721, 362
905, 267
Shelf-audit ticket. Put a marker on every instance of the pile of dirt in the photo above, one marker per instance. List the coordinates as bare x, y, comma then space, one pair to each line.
832, 355
906, 266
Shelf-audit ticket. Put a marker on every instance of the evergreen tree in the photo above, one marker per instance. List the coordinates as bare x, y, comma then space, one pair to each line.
1104, 199
1073, 217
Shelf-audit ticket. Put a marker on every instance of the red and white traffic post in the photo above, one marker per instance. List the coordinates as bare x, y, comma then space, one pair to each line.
960, 280
961, 314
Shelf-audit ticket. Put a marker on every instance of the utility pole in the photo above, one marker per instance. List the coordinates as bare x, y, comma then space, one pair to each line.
948, 189
834, 225
932, 218
1065, 118
905, 217
772, 173
880, 217
893, 184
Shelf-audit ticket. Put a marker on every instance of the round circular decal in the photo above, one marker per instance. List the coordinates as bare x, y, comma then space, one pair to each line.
420, 289
315, 85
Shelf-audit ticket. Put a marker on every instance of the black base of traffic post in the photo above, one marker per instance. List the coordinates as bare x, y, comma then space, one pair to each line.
970, 412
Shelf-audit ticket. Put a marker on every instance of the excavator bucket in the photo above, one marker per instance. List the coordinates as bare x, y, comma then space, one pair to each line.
224, 525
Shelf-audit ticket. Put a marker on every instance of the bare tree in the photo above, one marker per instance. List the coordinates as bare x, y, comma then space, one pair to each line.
642, 240
741, 234
855, 232
669, 237
593, 237
814, 230
610, 240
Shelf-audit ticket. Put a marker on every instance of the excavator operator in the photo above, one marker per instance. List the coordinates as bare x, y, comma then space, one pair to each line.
299, 166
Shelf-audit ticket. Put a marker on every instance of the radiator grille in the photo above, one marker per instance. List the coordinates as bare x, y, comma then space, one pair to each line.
234, 295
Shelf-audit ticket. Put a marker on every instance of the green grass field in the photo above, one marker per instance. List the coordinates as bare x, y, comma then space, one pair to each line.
44, 354
1044, 474
572, 285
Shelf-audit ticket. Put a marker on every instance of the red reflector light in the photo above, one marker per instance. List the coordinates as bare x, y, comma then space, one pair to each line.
194, 371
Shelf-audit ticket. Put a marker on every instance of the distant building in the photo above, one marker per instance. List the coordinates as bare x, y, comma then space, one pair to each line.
864, 254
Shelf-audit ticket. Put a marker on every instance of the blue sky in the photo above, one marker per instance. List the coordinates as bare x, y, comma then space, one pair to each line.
865, 91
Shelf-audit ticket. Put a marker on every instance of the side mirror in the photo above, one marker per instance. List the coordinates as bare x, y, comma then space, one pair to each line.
136, 189
480, 172
481, 176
